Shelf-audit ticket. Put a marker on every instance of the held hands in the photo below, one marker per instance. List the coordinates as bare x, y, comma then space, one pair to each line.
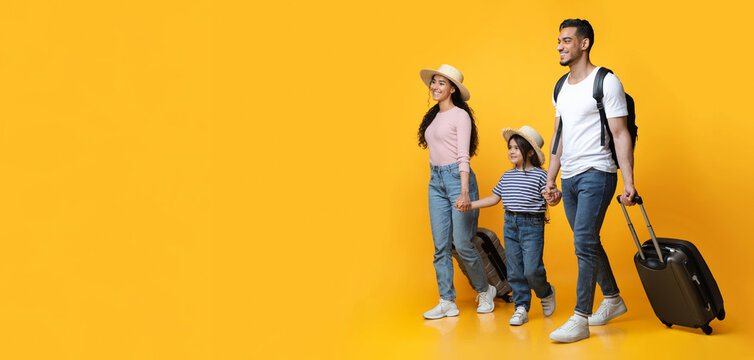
463, 203
551, 194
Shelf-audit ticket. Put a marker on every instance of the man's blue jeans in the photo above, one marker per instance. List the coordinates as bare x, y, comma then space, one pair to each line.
524, 240
452, 227
586, 197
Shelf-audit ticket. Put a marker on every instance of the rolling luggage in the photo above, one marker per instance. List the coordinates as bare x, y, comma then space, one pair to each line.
678, 283
493, 260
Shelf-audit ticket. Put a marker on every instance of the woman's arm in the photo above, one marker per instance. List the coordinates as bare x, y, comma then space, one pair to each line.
463, 203
463, 140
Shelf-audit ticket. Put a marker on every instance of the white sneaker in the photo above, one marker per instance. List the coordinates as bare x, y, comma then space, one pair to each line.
486, 300
575, 329
607, 311
548, 303
520, 317
443, 309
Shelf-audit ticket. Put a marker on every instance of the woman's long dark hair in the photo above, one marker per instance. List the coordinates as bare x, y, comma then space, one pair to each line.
430, 116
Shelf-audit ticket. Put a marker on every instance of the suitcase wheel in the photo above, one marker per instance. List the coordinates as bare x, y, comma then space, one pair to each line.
707, 329
667, 324
721, 315
508, 298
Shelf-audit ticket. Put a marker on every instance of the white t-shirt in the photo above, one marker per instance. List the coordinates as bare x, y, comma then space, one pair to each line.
581, 124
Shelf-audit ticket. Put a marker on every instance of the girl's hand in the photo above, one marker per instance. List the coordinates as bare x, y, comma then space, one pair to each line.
555, 200
546, 194
463, 203
552, 195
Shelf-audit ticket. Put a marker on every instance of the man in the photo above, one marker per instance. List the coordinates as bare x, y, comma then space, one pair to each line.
589, 174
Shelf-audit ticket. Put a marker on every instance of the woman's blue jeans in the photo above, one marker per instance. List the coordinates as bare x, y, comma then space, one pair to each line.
451, 227
524, 240
586, 197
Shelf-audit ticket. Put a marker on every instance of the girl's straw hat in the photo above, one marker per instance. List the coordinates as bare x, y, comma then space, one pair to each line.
531, 135
449, 72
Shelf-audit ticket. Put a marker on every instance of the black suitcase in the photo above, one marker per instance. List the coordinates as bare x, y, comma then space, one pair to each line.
677, 280
493, 260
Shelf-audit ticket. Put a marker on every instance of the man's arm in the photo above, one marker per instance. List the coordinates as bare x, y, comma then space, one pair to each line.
552, 171
625, 153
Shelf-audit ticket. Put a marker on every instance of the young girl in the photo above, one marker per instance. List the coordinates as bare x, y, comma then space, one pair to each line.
521, 190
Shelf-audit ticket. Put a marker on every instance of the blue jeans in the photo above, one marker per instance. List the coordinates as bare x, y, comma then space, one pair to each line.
586, 197
524, 240
451, 227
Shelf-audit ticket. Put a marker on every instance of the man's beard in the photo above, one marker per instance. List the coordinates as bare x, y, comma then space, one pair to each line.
566, 62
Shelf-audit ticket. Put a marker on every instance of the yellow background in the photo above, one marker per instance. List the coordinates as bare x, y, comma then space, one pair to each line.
234, 180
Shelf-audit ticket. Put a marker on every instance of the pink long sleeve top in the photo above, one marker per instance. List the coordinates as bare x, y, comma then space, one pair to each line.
448, 138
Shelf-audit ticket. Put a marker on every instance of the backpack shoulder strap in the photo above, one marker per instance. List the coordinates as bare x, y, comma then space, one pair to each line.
555, 93
558, 86
599, 81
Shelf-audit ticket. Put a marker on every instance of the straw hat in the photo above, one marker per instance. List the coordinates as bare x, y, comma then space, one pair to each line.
531, 135
449, 72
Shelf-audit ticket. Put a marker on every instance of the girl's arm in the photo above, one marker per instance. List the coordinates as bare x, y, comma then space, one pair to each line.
491, 200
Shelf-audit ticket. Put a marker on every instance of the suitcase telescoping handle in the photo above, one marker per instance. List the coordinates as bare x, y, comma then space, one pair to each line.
638, 200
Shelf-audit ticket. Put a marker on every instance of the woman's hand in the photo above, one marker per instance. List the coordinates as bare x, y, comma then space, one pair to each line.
463, 203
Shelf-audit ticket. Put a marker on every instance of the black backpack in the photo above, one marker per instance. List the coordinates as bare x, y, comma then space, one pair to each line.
597, 94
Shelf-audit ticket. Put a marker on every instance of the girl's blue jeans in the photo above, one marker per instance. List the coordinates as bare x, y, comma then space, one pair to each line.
524, 240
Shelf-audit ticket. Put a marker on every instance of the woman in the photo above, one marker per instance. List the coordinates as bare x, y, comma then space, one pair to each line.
448, 130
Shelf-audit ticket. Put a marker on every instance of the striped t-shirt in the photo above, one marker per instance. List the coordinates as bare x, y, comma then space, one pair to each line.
522, 192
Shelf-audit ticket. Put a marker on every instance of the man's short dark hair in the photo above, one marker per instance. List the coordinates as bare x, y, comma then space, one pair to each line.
583, 29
